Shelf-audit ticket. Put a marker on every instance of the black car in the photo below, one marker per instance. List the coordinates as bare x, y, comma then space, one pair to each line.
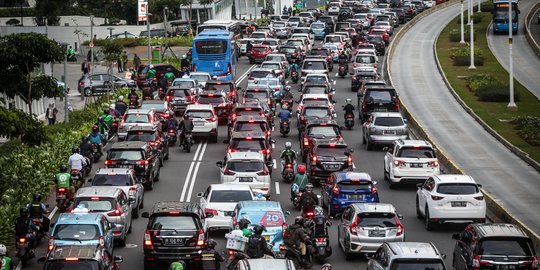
293, 53
225, 86
179, 99
401, 14
380, 46
330, 23
317, 129
378, 98
326, 157
251, 141
174, 232
152, 135
257, 123
140, 156
493, 246
80, 257
360, 75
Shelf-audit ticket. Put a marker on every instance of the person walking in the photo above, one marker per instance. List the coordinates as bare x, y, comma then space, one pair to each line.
51, 113
124, 58
136, 61
85, 67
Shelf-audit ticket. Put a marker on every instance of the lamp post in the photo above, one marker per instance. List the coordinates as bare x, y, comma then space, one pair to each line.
92, 44
165, 13
462, 41
469, 4
512, 106
148, 31
110, 31
472, 67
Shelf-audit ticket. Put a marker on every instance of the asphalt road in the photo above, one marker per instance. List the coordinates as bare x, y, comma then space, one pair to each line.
526, 62
414, 74
535, 26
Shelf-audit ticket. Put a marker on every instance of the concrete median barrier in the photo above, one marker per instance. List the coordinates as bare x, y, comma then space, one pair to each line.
530, 16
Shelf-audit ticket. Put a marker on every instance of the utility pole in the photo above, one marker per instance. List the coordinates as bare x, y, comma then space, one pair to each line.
66, 88
148, 31
462, 41
472, 67
512, 106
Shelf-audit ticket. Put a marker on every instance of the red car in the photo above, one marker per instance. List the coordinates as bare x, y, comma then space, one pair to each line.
258, 53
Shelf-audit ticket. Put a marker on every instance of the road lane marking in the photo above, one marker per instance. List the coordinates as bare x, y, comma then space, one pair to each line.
274, 161
194, 176
353, 166
277, 188
274, 145
188, 177
243, 76
51, 215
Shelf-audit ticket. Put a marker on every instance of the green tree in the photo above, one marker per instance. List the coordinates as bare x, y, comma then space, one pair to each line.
18, 124
48, 12
20, 55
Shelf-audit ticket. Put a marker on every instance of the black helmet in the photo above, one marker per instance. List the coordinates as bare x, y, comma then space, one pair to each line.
75, 150
95, 128
243, 223
299, 220
258, 229
84, 139
36, 197
105, 111
23, 211
63, 168
211, 243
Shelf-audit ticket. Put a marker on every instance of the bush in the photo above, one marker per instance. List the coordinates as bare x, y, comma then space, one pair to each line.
495, 93
476, 82
462, 56
486, 6
529, 128
16, 12
455, 35
142, 41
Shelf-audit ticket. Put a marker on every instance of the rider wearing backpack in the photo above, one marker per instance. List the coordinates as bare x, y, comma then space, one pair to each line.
256, 245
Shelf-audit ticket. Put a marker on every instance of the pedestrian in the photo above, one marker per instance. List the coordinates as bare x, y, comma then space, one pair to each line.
136, 61
119, 63
51, 113
124, 58
85, 67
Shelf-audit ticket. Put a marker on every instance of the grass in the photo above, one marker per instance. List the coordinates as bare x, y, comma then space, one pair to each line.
493, 113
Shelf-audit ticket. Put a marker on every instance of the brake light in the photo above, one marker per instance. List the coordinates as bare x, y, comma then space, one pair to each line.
399, 163
400, 227
132, 191
535, 264
211, 119
51, 243
210, 211
314, 160
433, 164
349, 160
22, 240
310, 214
143, 162
479, 198
115, 213
289, 165
306, 142
335, 190
230, 150
200, 241
266, 151
101, 241
61, 190
268, 133
373, 189
397, 105
194, 67
436, 198
352, 228
147, 238
228, 172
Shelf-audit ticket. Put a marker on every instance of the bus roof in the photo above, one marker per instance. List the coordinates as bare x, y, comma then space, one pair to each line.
214, 33
504, 1
220, 22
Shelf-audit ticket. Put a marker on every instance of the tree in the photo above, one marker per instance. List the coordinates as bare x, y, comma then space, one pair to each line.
18, 124
188, 3
20, 55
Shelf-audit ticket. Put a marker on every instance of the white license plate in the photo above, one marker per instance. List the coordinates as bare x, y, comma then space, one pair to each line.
417, 165
124, 166
173, 241
246, 179
459, 204
389, 132
505, 267
198, 124
377, 233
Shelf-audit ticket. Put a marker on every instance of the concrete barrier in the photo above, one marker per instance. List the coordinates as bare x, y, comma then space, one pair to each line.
496, 211
532, 42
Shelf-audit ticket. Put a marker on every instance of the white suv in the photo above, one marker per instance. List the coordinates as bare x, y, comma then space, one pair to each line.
246, 168
205, 124
450, 198
410, 161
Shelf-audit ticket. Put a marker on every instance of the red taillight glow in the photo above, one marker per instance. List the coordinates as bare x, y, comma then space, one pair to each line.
143, 162
61, 190
353, 227
335, 190
147, 238
211, 119
115, 213
228, 172
399, 163
101, 241
200, 241
109, 162
22, 240
433, 164
132, 191
349, 160
314, 160
51, 243
210, 211
306, 142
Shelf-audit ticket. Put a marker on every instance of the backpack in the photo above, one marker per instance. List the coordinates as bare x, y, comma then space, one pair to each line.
288, 235
308, 201
253, 246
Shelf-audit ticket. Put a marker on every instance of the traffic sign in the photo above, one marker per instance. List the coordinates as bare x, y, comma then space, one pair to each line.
91, 45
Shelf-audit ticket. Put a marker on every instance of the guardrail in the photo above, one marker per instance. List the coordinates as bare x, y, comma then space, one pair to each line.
496, 211
532, 42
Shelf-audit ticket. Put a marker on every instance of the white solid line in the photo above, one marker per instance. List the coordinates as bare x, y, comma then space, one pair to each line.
241, 78
51, 215
353, 166
19, 266
274, 160
194, 175
188, 177
277, 188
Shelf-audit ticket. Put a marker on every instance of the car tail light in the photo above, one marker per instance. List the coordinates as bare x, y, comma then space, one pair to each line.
228, 172
200, 240
310, 214
397, 105
364, 104
210, 211
535, 263
266, 151
353, 227
268, 133
306, 142
436, 198
349, 160
81, 83
109, 162
479, 198
400, 227
61, 190
132, 191
172, 131
143, 162
115, 213
230, 150
373, 189
477, 263
314, 160
51, 243
433, 164
263, 172
147, 238
211, 119
335, 190
22, 240
399, 163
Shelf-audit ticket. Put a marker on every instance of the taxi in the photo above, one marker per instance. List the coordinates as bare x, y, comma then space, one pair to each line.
80, 257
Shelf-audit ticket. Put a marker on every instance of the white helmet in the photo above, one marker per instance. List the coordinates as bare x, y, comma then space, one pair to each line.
121, 98
3, 250
151, 66
184, 56
288, 145
112, 106
348, 101
284, 107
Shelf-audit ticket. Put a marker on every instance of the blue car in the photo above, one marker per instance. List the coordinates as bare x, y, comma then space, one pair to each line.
266, 213
80, 229
344, 188
318, 29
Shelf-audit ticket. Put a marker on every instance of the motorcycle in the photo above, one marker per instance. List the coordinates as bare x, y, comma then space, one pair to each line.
114, 127
288, 102
294, 76
172, 136
38, 222
294, 255
284, 128
77, 177
349, 120
188, 142
63, 199
24, 252
96, 155
288, 173
296, 200
342, 71
318, 235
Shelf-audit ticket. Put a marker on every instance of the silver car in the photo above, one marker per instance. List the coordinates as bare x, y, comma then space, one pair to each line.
364, 227
126, 180
383, 128
135, 117
101, 83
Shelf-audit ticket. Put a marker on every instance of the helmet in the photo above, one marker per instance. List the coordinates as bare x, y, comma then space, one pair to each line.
258, 229
105, 111
151, 66
36, 197
180, 265
63, 168
243, 223
3, 250
288, 145
95, 128
186, 116
75, 150
184, 56
326, 266
211, 243
112, 106
120, 98
285, 107
84, 139
168, 69
309, 187
23, 211
301, 168
299, 220
348, 101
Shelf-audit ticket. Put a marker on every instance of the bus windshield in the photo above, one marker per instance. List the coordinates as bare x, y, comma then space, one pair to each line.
211, 46
500, 13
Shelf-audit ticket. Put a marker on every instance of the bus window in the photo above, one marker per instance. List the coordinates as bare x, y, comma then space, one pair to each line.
211, 46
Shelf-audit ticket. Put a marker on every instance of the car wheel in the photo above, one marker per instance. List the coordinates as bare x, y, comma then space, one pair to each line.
386, 178
88, 92
135, 212
121, 242
156, 178
418, 213
130, 227
149, 185
428, 224
147, 266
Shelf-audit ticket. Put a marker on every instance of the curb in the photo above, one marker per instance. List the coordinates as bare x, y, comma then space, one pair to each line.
496, 211
532, 42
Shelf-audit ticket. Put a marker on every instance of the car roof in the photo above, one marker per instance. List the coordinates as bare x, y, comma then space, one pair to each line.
251, 118
276, 54
247, 135
167, 206
414, 143
199, 107
498, 229
321, 122
113, 171
453, 178
87, 252
219, 82
374, 207
329, 142
386, 114
98, 191
229, 187
245, 155
262, 69
342, 176
414, 250
138, 111
315, 96
143, 128
271, 62
260, 205
248, 105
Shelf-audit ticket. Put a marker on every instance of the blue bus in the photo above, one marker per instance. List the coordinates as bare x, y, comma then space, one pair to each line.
500, 16
214, 51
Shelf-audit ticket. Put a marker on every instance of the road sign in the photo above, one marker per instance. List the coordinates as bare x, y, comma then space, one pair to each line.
91, 45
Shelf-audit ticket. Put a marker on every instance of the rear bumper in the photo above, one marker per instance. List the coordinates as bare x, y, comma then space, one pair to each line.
370, 245
204, 134
385, 139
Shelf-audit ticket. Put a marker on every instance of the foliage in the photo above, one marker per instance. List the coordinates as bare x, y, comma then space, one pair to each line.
529, 128
111, 50
16, 11
461, 56
13, 22
173, 61
496, 92
48, 12
16, 124
476, 82
486, 6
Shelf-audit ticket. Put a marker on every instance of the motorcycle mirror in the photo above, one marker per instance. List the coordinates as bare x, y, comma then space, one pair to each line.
374, 182
351, 150
199, 195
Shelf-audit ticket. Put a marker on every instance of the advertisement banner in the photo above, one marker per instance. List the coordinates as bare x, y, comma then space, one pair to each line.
142, 7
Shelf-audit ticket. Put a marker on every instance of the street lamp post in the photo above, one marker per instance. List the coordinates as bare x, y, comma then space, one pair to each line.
472, 67
469, 5
462, 41
479, 9
92, 44
110, 31
148, 31
165, 13
512, 106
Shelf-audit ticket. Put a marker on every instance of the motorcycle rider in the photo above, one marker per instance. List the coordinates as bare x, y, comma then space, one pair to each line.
210, 258
6, 262
169, 76
287, 95
25, 228
96, 138
133, 98
151, 74
113, 112
299, 237
343, 60
121, 106
349, 108
288, 156
300, 180
85, 149
180, 265
37, 210
105, 120
64, 180
77, 162
186, 126
256, 245
243, 225
309, 199
326, 266
171, 123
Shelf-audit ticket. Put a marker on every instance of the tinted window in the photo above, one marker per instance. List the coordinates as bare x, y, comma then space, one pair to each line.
416, 152
315, 90
269, 42
333, 39
179, 223
316, 65
416, 265
319, 52
354, 185
246, 145
111, 180
279, 24
388, 121
211, 46
71, 265
120, 154
260, 73
98, 205
378, 96
137, 118
179, 93
317, 26
316, 80
220, 87
294, 19
81, 232
331, 151
260, 96
327, 131
296, 43
377, 220
505, 246
199, 114
270, 65
141, 136
211, 100
316, 112
243, 126
183, 84
245, 166
457, 188
365, 59
287, 50
230, 196
274, 58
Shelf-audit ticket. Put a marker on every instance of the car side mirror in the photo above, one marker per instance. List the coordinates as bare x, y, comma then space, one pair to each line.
479, 185
118, 259
405, 121
199, 195
419, 185
41, 260
145, 215
219, 164
287, 213
131, 201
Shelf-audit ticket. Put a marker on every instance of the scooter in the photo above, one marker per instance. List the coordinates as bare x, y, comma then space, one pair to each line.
95, 153
342, 71
296, 200
288, 173
24, 252
288, 102
188, 142
294, 255
63, 199
318, 235
172, 136
349, 120
284, 128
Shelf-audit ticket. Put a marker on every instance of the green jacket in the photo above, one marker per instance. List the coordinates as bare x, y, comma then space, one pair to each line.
151, 74
246, 232
288, 155
169, 76
108, 119
6, 263
63, 180
301, 179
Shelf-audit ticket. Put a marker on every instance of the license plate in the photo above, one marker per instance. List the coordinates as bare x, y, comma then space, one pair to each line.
61, 196
173, 241
332, 166
357, 197
417, 165
380, 110
376, 233
321, 244
266, 237
124, 166
459, 204
198, 124
505, 267
392, 132
246, 179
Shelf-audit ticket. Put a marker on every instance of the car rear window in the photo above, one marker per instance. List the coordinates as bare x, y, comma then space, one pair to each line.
315, 90
377, 220
270, 42
314, 65
317, 112
218, 87
316, 80
270, 65
199, 78
274, 58
243, 126
245, 166
457, 188
111, 180
388, 121
247, 145
121, 154
260, 73
211, 100
505, 246
258, 35
230, 196
365, 59
322, 52
416, 152
141, 136
257, 96
317, 26
81, 232
137, 118
331, 151
355, 185
199, 114
327, 131
259, 49
98, 204
378, 96
180, 93
177, 223
183, 84
414, 264
287, 50
154, 106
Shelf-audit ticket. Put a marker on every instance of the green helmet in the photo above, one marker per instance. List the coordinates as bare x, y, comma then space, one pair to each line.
178, 265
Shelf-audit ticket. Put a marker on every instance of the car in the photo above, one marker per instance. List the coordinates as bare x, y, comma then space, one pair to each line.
248, 169
293, 53
161, 69
243, 45
313, 110
265, 264
258, 53
314, 97
450, 198
364, 227
410, 161
219, 101
381, 32
299, 43
279, 57
161, 108
383, 128
226, 86
257, 123
272, 42
316, 79
344, 33
219, 200
80, 257
496, 245
307, 16
266, 213
378, 42
311, 88
127, 180
124, 34
251, 141
316, 129
175, 231
365, 84
113, 203
275, 84
378, 98
305, 37
334, 51
359, 75
328, 156
259, 35
201, 77
329, 23
385, 25
154, 33
154, 136
409, 255
282, 32
179, 99
98, 231
101, 83
333, 8
258, 93
187, 83
136, 117
366, 60
342, 189
139, 156
318, 29
258, 73
246, 109
279, 68
205, 124
314, 66
323, 53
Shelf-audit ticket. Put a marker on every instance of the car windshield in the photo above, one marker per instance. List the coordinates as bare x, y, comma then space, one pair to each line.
200, 78
260, 73
211, 46
141, 136
365, 59
314, 65
247, 145
269, 81
505, 246
121, 154
81, 232
270, 65
319, 52
230, 196
177, 223
388, 121
331, 47
317, 112
259, 49
294, 19
404, 264
375, 39
111, 180
211, 100
378, 96
377, 220
137, 118
331, 151
71, 265
243, 126
354, 185
416, 152
457, 188
245, 166
183, 84
326, 131
199, 114
96, 204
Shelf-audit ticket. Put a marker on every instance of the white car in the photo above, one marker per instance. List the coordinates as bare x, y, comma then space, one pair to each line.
308, 97
334, 8
366, 60
201, 77
135, 117
278, 68
304, 37
243, 45
279, 57
450, 198
316, 78
259, 35
272, 42
246, 168
219, 200
410, 161
205, 124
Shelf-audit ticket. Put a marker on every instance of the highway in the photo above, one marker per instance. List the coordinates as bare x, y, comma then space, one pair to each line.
414, 73
526, 62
